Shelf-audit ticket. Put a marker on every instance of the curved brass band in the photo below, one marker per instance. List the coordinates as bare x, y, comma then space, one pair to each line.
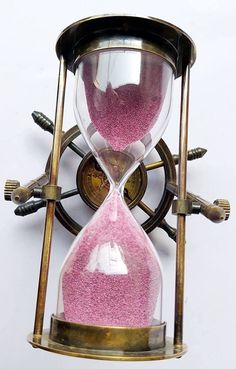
143, 33
182, 207
125, 42
107, 338
170, 350
51, 192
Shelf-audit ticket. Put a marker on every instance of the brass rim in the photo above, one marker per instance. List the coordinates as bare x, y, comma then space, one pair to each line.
95, 337
156, 35
155, 216
106, 44
170, 350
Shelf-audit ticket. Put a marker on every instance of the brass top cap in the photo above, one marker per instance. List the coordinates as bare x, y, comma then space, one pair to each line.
170, 40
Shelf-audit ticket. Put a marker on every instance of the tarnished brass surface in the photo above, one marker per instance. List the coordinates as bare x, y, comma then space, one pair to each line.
155, 165
51, 192
193, 154
224, 204
106, 337
94, 185
168, 352
165, 203
10, 186
53, 176
23, 193
217, 212
182, 195
213, 212
126, 31
107, 42
184, 207
155, 216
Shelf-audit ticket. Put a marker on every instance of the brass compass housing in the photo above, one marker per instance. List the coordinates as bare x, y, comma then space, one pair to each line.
94, 186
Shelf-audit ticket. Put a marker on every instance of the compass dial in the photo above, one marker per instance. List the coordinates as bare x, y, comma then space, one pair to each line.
94, 186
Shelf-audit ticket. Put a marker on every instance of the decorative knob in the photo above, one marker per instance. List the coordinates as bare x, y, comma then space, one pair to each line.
43, 121
9, 187
224, 204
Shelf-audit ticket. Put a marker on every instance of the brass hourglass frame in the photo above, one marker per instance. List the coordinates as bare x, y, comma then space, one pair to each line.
173, 45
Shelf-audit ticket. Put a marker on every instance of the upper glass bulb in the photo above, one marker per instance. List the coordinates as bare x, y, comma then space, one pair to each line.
122, 105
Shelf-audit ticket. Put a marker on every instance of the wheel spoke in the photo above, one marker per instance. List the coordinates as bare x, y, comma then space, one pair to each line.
47, 125
76, 149
171, 231
67, 194
146, 209
193, 154
31, 207
155, 165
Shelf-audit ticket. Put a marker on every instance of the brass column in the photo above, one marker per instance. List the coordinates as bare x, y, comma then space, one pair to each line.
54, 168
182, 195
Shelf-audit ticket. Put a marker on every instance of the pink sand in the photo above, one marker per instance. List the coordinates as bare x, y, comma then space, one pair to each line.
126, 114
112, 276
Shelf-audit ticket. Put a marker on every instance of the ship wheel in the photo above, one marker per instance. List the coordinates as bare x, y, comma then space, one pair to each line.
92, 186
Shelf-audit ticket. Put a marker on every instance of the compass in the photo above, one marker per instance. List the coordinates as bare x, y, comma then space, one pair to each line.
94, 185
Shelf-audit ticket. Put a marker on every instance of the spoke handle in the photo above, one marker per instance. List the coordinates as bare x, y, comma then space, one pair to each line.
23, 193
47, 125
215, 212
29, 208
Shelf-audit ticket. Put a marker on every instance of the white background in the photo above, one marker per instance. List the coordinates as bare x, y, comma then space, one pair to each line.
28, 75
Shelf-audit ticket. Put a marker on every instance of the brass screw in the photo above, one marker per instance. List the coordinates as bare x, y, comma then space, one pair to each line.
10, 186
193, 154
196, 153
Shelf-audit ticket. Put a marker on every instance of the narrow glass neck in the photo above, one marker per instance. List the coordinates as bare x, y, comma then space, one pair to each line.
118, 167
119, 188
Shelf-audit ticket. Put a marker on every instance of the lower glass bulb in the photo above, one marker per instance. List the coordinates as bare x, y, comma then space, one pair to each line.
112, 275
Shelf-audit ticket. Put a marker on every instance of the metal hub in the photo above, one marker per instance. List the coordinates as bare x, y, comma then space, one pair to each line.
93, 184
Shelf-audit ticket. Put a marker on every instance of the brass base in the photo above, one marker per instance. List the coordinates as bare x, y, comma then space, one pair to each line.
168, 352
108, 338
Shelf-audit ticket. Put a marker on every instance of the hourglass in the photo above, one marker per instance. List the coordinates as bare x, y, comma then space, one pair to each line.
110, 287
112, 274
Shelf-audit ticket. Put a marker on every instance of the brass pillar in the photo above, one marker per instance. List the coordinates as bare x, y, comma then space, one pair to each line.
182, 195
53, 176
